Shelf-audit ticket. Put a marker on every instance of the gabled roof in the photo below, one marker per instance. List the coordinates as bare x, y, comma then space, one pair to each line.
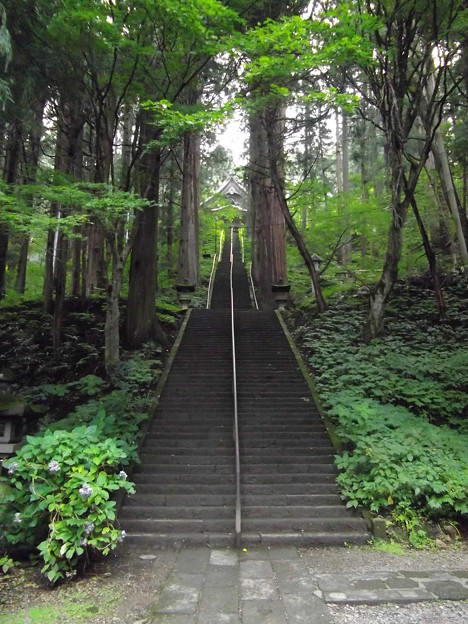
232, 187
233, 191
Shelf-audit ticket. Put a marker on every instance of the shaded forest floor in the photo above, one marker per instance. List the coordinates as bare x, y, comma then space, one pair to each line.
55, 385
399, 403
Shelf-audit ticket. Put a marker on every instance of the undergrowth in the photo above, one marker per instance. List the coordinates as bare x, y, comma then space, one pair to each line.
400, 404
58, 491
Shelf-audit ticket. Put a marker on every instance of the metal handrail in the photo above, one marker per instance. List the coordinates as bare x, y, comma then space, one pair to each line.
211, 284
236, 420
221, 240
252, 287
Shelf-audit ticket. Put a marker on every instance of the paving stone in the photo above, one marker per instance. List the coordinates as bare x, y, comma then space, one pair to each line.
218, 618
258, 589
263, 612
419, 574
334, 583
222, 576
308, 610
255, 570
284, 553
178, 599
169, 618
258, 554
370, 584
414, 595
401, 583
186, 579
377, 597
191, 559
447, 590
223, 557
303, 586
292, 577
214, 600
291, 568
181, 594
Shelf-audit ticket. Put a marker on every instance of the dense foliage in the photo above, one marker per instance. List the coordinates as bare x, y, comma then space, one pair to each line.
400, 404
59, 490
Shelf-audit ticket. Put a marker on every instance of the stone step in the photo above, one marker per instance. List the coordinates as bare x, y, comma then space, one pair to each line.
298, 512
313, 466
176, 525
216, 450
195, 499
310, 478
305, 538
322, 524
309, 492
189, 459
154, 467
190, 478
214, 539
172, 512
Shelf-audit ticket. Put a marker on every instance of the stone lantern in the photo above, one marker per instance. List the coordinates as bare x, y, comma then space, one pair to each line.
281, 293
12, 425
316, 261
184, 294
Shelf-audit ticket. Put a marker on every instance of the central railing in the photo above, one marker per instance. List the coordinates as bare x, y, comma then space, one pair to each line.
211, 283
236, 420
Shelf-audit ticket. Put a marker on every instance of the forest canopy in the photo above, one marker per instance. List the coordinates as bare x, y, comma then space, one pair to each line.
356, 117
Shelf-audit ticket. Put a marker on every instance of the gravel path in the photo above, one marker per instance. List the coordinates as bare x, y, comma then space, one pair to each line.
367, 560
418, 613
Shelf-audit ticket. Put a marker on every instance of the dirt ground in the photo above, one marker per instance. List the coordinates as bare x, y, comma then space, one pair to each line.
121, 588
117, 590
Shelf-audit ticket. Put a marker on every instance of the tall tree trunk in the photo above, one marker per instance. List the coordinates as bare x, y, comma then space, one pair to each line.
399, 210
120, 251
450, 194
431, 259
76, 262
104, 137
60, 289
307, 160
141, 322
278, 183
346, 248
68, 159
20, 284
188, 273
269, 266
31, 163
10, 174
169, 217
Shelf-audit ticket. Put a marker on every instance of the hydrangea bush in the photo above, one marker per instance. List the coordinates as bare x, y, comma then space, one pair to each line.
59, 497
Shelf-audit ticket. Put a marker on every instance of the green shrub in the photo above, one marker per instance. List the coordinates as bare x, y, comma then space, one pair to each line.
399, 459
60, 497
392, 401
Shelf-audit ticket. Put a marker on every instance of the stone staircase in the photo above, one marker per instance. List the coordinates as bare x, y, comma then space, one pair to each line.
289, 493
185, 484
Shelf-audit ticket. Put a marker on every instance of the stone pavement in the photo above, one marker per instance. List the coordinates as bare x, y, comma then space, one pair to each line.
273, 586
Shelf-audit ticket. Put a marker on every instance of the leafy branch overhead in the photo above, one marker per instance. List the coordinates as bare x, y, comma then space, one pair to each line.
172, 121
25, 207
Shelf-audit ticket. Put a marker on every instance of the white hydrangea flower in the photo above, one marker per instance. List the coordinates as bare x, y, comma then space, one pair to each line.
13, 467
85, 491
54, 466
